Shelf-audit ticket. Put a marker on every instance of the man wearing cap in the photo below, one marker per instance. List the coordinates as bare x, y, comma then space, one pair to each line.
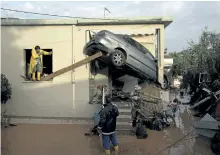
107, 124
36, 62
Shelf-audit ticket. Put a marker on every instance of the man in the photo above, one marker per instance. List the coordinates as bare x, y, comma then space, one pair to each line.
107, 124
36, 62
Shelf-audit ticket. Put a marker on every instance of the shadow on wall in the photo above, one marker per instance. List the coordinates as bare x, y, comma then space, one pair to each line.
47, 99
43, 99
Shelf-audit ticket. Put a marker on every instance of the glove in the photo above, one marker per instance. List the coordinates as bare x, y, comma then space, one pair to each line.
99, 130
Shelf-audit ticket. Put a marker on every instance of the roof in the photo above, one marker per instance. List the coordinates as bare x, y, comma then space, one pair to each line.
92, 21
133, 33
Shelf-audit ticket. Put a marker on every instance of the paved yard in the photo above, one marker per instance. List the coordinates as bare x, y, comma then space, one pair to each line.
41, 139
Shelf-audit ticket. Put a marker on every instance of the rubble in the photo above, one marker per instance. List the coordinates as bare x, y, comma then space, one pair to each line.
207, 126
210, 128
215, 143
207, 122
206, 98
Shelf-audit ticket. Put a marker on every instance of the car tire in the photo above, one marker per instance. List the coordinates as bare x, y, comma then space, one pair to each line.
118, 58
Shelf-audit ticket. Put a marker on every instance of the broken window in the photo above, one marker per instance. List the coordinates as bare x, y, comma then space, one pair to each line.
47, 64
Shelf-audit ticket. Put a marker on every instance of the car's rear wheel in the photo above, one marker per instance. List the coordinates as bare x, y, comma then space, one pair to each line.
118, 58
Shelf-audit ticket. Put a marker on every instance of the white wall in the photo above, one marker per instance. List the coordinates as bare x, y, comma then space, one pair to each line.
68, 94
45, 99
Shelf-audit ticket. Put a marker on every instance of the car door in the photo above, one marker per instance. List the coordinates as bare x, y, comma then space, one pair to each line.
146, 61
133, 55
150, 66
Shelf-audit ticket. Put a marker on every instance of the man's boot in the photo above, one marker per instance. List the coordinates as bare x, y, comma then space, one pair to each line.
33, 77
107, 152
38, 76
116, 150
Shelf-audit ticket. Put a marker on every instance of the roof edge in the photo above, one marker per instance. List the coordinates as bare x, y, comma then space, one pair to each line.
80, 22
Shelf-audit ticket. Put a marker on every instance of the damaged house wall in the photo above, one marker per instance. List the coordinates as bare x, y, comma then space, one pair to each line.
68, 94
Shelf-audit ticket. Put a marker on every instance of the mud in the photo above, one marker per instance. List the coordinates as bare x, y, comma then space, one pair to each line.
41, 139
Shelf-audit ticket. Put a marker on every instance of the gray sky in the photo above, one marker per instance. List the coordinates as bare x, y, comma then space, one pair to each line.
189, 17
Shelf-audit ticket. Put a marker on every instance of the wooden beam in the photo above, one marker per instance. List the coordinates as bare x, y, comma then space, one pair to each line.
71, 67
206, 99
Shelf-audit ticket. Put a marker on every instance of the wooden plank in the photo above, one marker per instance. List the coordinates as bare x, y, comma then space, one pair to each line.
71, 67
201, 102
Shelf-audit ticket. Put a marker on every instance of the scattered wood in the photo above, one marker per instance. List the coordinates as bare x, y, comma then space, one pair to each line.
216, 95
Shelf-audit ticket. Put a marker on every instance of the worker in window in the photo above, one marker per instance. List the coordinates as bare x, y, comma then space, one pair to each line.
107, 124
36, 62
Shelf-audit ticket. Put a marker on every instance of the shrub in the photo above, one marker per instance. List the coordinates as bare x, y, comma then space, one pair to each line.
5, 89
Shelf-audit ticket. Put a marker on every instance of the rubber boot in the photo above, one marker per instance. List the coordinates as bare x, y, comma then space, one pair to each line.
116, 150
33, 77
38, 76
107, 152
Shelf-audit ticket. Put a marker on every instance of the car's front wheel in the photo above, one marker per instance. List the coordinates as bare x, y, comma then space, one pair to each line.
118, 58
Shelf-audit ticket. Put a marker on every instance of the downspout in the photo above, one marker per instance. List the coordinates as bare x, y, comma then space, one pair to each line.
73, 61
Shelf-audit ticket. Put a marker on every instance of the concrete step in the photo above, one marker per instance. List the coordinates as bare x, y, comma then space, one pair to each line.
124, 118
123, 107
124, 111
122, 103
124, 123
124, 126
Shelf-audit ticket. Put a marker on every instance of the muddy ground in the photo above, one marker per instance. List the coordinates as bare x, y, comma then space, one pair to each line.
41, 139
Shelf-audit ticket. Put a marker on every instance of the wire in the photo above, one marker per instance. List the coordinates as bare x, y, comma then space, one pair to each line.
46, 14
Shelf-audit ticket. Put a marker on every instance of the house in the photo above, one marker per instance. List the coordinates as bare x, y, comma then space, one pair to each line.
67, 95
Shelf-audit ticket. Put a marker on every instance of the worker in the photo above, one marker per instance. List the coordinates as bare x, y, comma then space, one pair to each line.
36, 62
107, 124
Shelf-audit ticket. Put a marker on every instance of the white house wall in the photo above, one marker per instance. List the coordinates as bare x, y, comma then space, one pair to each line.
68, 94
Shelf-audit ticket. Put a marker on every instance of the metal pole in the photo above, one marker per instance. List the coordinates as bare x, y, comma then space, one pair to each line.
104, 12
103, 96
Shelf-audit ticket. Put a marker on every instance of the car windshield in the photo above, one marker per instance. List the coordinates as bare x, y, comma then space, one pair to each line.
138, 46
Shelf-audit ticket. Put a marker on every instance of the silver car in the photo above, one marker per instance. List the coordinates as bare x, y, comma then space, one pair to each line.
125, 54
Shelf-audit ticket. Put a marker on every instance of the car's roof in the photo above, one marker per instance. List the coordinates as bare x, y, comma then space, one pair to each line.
124, 36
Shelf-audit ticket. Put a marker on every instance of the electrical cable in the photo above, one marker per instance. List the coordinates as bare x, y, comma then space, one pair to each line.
53, 15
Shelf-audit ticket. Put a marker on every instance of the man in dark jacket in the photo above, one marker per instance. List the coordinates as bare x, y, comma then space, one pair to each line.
107, 124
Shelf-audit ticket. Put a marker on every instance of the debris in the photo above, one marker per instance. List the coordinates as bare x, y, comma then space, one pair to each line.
206, 97
6, 121
206, 132
93, 131
141, 132
217, 111
215, 144
207, 122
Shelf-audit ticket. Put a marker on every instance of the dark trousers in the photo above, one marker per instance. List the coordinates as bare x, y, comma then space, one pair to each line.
106, 141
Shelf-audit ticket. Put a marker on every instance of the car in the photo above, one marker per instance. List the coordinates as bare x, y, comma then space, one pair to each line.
124, 55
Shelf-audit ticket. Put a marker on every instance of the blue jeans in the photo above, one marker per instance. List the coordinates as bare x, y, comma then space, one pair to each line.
106, 141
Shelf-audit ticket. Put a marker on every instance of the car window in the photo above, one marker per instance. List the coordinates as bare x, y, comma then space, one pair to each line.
140, 47
136, 44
